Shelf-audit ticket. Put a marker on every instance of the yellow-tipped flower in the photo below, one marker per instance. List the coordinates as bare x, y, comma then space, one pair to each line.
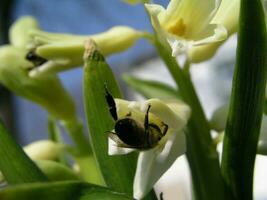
56, 52
154, 128
186, 24
46, 91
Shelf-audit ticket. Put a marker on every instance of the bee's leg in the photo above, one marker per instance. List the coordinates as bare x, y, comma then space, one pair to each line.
111, 104
146, 125
165, 129
161, 196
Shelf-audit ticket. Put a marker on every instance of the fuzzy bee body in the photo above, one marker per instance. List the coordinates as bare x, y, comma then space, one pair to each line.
131, 133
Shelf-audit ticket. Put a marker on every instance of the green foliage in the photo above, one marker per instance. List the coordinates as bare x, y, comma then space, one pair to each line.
67, 190
15, 165
118, 171
151, 89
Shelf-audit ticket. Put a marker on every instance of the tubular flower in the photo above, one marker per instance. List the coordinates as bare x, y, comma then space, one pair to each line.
54, 52
227, 15
46, 91
156, 130
187, 23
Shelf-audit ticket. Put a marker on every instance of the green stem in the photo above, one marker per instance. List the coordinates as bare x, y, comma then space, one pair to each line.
247, 100
84, 155
201, 152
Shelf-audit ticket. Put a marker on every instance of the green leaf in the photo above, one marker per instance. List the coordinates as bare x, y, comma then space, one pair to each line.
67, 190
15, 165
151, 88
118, 171
247, 100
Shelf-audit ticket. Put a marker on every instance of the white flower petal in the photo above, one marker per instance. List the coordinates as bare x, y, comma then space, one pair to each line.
155, 11
227, 15
122, 107
164, 112
181, 108
113, 149
44, 150
152, 164
220, 33
49, 67
178, 46
195, 15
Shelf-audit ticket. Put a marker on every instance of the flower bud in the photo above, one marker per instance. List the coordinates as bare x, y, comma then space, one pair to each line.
44, 150
219, 118
65, 51
46, 91
19, 31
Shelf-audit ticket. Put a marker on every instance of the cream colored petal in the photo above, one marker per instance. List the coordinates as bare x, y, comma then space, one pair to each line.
227, 15
44, 150
165, 113
220, 34
194, 15
156, 13
122, 107
180, 107
19, 31
50, 67
152, 164
178, 46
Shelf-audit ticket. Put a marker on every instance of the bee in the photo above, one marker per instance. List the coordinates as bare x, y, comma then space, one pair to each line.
130, 133
35, 59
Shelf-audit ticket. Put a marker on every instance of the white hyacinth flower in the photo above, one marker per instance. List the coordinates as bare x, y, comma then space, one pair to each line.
187, 23
157, 155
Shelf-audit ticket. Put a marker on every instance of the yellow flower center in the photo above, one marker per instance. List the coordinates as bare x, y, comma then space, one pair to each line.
177, 28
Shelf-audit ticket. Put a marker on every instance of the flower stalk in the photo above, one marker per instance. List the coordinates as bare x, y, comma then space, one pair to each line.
201, 152
84, 155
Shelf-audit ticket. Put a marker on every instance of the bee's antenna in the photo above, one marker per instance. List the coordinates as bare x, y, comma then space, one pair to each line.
111, 103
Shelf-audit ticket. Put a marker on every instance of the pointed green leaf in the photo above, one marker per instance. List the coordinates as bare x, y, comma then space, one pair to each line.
15, 165
247, 100
118, 171
151, 88
67, 190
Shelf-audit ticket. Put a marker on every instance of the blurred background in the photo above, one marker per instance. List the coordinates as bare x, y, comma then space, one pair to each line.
28, 122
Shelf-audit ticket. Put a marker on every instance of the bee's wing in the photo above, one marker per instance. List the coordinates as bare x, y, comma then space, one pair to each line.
118, 141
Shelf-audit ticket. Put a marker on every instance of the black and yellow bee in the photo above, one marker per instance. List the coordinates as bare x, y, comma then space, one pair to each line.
130, 133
